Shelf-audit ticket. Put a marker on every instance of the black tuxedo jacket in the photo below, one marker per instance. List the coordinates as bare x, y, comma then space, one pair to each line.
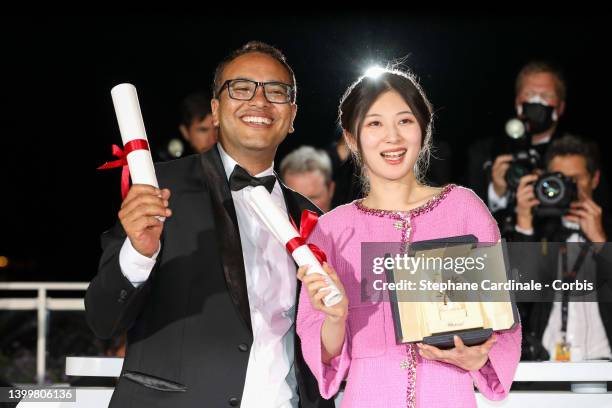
188, 326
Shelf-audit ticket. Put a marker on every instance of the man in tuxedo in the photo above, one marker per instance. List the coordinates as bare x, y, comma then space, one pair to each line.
573, 247
208, 297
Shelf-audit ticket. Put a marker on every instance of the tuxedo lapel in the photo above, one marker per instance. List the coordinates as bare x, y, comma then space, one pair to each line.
228, 235
293, 208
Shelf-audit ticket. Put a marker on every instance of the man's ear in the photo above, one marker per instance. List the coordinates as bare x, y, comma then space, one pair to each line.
184, 132
518, 107
561, 109
595, 180
294, 108
214, 106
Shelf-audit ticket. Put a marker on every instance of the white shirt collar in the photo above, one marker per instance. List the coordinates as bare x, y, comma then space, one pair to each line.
229, 163
570, 224
543, 140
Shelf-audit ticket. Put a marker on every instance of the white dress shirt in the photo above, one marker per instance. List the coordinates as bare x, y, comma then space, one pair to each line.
271, 287
496, 202
586, 333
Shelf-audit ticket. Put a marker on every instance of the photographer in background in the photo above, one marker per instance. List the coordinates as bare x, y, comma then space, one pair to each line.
196, 127
539, 103
557, 208
196, 122
496, 164
560, 203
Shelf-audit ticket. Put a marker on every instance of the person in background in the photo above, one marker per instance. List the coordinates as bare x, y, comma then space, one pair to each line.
540, 92
309, 172
345, 174
580, 328
196, 124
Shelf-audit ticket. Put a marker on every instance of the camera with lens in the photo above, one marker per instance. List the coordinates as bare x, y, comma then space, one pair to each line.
525, 159
555, 192
523, 162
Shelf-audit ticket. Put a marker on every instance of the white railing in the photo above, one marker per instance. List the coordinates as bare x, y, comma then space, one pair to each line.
42, 303
588, 381
588, 378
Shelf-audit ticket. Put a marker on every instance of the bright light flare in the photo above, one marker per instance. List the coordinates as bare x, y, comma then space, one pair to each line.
375, 71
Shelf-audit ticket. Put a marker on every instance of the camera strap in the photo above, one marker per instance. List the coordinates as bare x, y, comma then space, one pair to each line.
569, 276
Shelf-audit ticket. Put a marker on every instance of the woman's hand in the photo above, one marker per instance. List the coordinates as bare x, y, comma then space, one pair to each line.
470, 358
334, 326
316, 284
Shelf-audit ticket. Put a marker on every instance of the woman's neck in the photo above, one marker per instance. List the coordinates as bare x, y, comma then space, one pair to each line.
397, 195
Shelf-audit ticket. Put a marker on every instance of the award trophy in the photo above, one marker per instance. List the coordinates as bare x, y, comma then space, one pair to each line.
434, 316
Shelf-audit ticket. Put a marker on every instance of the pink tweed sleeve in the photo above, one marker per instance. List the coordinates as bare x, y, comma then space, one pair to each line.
308, 327
495, 377
476, 217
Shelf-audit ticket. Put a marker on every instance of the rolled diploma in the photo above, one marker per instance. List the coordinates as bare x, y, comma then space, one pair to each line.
277, 223
131, 126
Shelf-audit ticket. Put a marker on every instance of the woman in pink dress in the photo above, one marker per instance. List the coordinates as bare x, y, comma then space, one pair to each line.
387, 123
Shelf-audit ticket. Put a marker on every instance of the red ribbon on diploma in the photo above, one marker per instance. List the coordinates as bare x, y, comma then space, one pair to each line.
307, 223
131, 146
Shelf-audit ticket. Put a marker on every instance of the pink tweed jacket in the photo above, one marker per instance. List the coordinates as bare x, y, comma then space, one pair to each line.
378, 372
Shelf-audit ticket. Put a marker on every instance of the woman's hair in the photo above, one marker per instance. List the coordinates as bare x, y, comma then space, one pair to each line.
362, 94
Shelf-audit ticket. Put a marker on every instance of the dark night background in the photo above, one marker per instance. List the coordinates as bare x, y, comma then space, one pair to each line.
58, 121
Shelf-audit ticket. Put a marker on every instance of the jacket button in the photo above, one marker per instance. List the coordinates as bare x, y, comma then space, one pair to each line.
233, 401
122, 295
243, 347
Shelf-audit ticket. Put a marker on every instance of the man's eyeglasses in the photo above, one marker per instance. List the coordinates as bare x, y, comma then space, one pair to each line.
245, 89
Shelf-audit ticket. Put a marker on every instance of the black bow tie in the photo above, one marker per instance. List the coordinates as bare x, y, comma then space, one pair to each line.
239, 179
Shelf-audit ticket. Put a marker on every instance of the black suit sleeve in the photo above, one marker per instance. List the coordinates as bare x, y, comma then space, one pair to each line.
603, 262
112, 303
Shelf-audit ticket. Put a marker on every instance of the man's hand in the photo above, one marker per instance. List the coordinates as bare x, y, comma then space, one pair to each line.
525, 201
588, 214
470, 358
498, 174
137, 215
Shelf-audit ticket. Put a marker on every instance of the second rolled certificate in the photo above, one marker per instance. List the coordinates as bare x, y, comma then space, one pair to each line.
278, 224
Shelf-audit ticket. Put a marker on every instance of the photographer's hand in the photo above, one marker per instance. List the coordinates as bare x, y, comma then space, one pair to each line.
498, 174
588, 214
525, 201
